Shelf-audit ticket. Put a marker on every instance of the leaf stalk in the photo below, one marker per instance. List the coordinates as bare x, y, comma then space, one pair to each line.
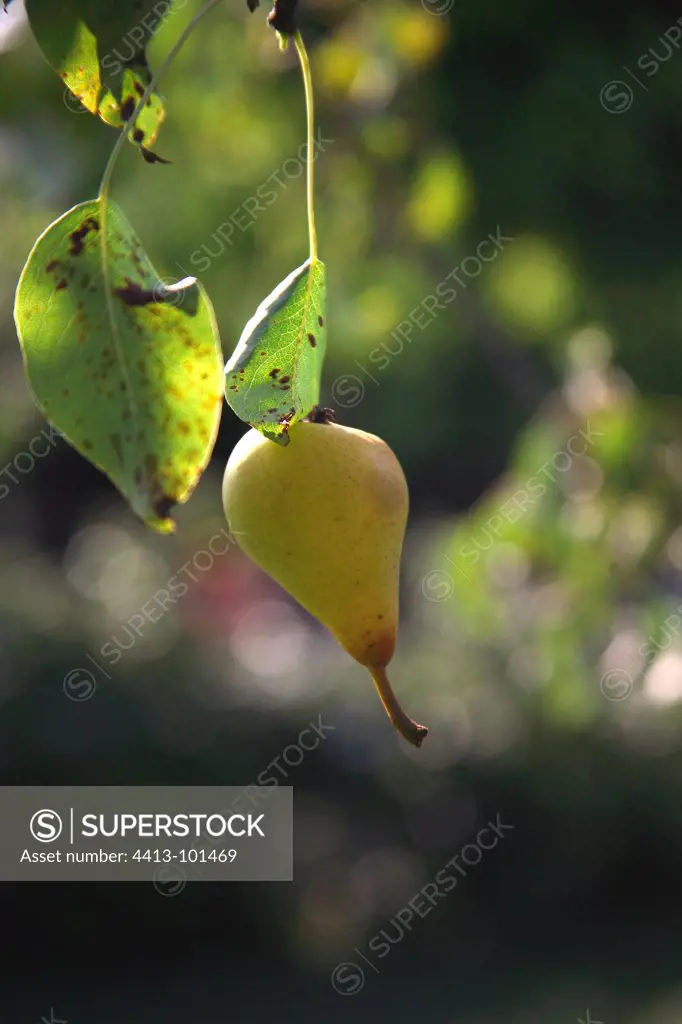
310, 139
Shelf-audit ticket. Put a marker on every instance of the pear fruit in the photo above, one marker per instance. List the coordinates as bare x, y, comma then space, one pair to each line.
325, 517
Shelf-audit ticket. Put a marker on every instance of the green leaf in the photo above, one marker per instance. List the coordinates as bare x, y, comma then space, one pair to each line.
99, 51
131, 374
273, 376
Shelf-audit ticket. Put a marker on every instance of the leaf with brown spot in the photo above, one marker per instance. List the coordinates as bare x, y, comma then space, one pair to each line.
91, 341
281, 328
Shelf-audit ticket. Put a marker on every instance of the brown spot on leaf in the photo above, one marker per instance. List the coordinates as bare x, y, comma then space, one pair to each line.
284, 380
62, 284
134, 295
274, 373
163, 505
76, 237
49, 267
311, 339
184, 427
87, 445
320, 321
127, 109
151, 158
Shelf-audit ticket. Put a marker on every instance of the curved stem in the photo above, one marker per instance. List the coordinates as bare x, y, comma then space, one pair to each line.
406, 726
310, 116
130, 123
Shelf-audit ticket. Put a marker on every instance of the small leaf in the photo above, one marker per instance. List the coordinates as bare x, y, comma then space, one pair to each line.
273, 376
132, 374
98, 50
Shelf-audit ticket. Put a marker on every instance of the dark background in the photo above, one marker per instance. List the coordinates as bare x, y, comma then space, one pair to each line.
524, 656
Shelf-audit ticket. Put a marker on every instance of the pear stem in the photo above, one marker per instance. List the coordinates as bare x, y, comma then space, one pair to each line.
406, 726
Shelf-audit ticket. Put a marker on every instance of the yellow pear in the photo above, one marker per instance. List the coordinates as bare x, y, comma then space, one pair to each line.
325, 517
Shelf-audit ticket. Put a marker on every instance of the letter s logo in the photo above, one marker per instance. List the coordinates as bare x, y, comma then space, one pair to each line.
46, 826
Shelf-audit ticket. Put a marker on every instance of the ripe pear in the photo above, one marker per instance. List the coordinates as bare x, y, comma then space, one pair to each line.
325, 517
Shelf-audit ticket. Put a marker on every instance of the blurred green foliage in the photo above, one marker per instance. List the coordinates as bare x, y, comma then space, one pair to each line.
537, 415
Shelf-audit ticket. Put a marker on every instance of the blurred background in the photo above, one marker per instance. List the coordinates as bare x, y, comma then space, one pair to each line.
499, 208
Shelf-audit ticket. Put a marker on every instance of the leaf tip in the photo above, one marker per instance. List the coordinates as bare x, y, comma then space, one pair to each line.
157, 516
279, 436
165, 526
